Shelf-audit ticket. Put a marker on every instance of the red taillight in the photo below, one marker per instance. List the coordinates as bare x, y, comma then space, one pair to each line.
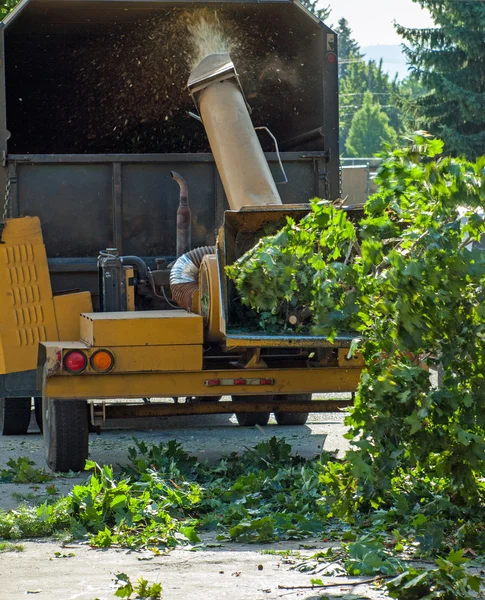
75, 361
239, 382
212, 382
265, 382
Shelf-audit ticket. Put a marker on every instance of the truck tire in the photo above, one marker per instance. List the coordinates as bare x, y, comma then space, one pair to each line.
38, 413
15, 415
292, 418
251, 419
66, 434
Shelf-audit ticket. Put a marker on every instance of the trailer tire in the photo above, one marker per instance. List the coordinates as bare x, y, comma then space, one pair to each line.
292, 418
15, 415
38, 413
66, 434
251, 419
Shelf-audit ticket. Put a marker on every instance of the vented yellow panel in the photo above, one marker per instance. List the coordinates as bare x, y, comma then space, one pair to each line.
27, 314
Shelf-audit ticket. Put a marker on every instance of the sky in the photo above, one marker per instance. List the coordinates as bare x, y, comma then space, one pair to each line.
371, 20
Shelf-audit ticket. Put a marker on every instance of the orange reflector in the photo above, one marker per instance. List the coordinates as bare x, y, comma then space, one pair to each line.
102, 361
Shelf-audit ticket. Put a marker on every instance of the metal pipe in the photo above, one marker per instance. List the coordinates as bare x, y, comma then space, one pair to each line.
299, 140
240, 160
184, 276
184, 216
138, 263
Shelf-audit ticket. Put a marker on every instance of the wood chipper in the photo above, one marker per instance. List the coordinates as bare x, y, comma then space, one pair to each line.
168, 326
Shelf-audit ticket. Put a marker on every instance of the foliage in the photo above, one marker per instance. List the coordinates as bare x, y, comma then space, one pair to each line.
143, 589
264, 495
370, 130
448, 581
322, 13
359, 78
448, 61
407, 279
348, 48
165, 496
9, 547
6, 6
23, 471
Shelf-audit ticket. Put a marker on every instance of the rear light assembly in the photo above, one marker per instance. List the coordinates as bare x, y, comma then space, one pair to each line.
75, 361
102, 361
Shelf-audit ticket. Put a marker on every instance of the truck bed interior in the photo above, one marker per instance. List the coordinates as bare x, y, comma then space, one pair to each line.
110, 76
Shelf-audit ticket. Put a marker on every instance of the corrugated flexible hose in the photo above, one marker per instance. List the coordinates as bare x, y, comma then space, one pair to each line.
184, 276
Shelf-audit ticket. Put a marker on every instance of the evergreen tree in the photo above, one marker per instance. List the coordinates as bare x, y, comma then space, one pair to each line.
321, 13
449, 61
365, 77
370, 130
348, 48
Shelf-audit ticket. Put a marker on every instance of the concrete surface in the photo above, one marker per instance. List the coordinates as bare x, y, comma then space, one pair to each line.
231, 571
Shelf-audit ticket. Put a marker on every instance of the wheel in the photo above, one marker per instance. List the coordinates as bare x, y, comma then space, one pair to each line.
252, 419
66, 433
292, 418
14, 415
38, 412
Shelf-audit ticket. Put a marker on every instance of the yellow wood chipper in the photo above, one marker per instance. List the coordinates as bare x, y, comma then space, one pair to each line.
92, 363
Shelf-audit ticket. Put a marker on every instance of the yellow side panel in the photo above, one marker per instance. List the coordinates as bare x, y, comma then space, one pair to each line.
68, 308
166, 385
144, 328
27, 314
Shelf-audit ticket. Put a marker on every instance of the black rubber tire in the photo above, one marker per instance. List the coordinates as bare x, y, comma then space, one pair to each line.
292, 418
251, 419
66, 434
38, 413
15, 415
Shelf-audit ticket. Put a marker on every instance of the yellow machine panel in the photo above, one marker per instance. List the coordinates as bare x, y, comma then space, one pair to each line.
27, 314
68, 308
155, 328
149, 359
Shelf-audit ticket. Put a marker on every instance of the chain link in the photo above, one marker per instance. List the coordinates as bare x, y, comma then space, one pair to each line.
7, 199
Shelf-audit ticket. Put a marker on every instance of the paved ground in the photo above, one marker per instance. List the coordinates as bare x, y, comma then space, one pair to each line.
228, 571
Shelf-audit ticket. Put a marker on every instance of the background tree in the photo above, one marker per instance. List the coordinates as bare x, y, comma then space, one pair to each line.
369, 130
449, 62
362, 77
321, 13
348, 48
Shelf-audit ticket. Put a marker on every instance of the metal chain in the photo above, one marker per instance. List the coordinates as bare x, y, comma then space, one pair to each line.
7, 199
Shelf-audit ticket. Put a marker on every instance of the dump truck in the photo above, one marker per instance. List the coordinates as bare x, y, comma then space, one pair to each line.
124, 210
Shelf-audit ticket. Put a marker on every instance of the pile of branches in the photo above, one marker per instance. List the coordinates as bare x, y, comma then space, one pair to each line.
408, 279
